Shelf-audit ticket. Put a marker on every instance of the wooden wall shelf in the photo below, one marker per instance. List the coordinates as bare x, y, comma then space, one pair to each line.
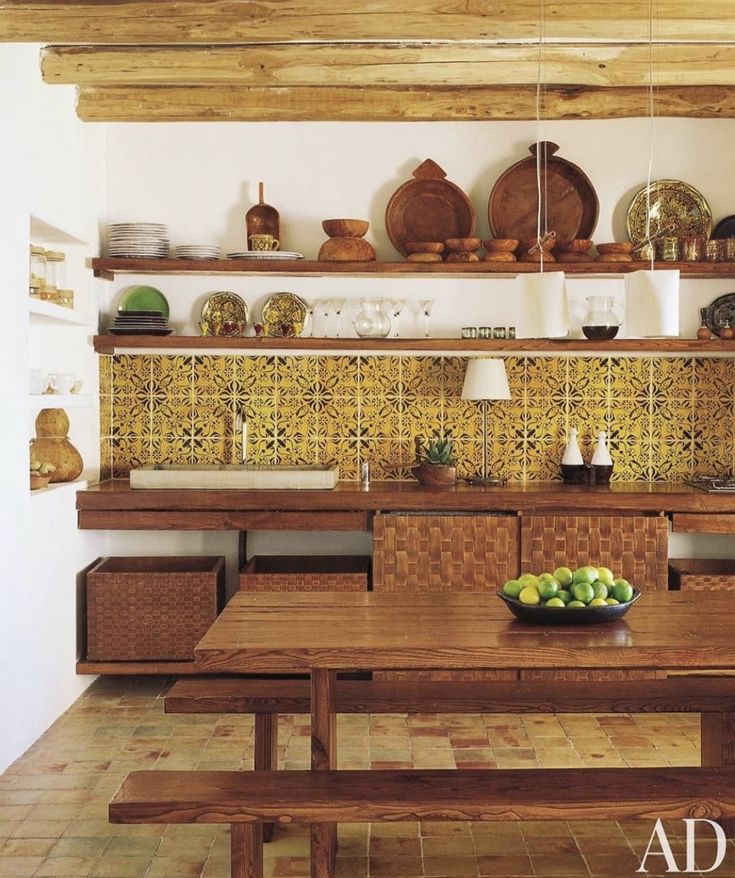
107, 268
110, 344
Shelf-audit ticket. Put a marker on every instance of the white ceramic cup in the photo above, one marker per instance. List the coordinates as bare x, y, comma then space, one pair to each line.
38, 381
62, 382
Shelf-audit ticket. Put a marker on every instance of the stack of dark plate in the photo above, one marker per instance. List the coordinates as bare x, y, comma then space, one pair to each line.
140, 323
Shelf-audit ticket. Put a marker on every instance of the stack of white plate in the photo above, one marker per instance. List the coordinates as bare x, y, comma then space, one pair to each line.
197, 251
138, 240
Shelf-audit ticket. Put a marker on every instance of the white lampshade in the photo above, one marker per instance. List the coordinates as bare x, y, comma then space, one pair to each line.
652, 304
485, 379
543, 311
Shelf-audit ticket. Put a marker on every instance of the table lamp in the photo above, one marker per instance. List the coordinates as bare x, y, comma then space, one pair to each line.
485, 380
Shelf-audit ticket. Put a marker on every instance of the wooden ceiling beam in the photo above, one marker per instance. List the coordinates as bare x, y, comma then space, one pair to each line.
384, 104
449, 64
120, 22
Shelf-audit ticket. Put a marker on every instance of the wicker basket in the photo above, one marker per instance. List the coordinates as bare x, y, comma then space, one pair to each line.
151, 608
305, 573
702, 574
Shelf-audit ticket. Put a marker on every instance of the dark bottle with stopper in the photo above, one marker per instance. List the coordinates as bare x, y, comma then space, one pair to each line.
262, 219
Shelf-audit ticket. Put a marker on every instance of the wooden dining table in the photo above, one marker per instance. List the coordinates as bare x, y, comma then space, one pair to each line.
323, 633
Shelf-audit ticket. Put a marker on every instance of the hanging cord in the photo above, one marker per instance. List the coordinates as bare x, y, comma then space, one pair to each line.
652, 134
539, 66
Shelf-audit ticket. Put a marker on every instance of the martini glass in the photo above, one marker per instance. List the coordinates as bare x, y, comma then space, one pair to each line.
398, 306
337, 306
426, 305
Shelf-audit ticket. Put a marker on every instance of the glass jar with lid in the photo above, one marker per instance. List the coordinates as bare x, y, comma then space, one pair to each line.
37, 279
55, 271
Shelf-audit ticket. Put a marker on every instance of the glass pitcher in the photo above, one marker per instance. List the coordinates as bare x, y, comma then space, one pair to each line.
600, 322
371, 321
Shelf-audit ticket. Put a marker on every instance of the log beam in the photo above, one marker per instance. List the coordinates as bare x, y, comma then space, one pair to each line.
361, 64
149, 22
232, 103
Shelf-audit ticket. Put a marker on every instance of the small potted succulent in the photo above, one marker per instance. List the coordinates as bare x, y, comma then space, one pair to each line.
435, 465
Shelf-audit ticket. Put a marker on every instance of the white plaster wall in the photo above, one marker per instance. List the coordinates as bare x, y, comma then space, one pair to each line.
52, 170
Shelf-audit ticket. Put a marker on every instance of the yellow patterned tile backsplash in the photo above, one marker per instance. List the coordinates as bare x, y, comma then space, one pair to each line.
668, 418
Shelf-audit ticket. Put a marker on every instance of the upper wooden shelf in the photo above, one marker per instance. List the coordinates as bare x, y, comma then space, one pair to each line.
109, 344
107, 268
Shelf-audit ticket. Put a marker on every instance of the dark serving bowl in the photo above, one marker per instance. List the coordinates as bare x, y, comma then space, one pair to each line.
541, 615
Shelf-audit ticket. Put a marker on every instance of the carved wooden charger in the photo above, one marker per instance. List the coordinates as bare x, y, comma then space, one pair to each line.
569, 204
428, 208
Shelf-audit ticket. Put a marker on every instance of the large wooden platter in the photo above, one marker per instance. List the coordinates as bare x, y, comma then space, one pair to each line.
569, 204
428, 208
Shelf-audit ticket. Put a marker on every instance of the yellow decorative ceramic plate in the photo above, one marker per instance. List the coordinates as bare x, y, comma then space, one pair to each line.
673, 203
284, 315
224, 308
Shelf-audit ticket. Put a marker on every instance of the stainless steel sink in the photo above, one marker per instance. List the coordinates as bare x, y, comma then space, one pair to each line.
233, 476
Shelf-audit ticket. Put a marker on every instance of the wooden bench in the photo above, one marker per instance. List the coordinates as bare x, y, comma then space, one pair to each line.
247, 800
713, 697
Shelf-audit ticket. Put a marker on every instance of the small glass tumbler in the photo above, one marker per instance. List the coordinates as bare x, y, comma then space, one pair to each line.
692, 248
469, 332
511, 332
669, 249
485, 332
729, 247
499, 332
713, 250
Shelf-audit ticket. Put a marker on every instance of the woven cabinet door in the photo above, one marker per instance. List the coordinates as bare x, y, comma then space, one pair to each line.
633, 546
444, 553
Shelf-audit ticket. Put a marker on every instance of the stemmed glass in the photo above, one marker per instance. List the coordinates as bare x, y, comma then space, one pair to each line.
310, 317
324, 306
397, 307
338, 305
426, 306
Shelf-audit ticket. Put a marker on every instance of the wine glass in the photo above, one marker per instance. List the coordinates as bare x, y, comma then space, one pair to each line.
426, 306
337, 306
397, 307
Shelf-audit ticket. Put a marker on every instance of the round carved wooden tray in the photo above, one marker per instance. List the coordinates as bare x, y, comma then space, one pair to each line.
569, 204
429, 208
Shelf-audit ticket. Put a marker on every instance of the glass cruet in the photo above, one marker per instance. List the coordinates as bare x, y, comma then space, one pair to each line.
371, 321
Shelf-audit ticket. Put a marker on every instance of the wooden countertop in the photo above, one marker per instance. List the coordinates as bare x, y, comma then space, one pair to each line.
114, 505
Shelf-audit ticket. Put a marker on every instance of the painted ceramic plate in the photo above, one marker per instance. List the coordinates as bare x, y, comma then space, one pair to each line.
224, 306
673, 203
542, 615
720, 312
144, 299
284, 315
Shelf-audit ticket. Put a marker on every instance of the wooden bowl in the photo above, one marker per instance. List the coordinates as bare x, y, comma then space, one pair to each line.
345, 228
424, 257
346, 250
500, 245
618, 247
536, 256
499, 256
462, 256
525, 244
424, 246
614, 257
463, 245
578, 245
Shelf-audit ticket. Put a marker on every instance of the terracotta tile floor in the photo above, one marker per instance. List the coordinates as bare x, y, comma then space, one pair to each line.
53, 800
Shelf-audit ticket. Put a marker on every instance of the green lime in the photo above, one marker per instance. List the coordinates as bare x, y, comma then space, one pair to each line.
622, 591
512, 588
600, 589
598, 602
563, 575
555, 602
583, 591
529, 595
605, 574
575, 605
585, 574
612, 602
548, 588
565, 596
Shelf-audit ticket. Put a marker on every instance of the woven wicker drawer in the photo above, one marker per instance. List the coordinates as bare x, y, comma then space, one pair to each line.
305, 573
151, 608
702, 574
